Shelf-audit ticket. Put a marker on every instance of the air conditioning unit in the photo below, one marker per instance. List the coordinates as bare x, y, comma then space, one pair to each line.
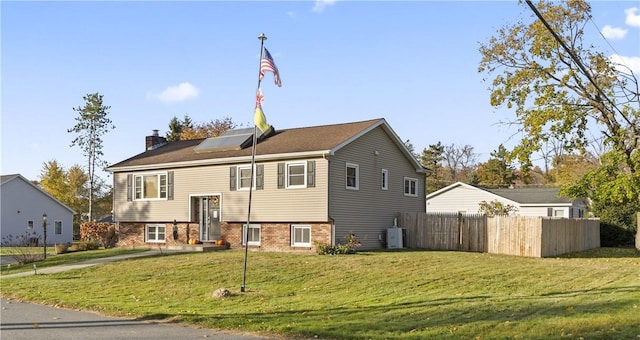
394, 238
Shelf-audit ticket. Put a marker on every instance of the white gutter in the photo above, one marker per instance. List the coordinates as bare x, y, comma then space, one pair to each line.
217, 161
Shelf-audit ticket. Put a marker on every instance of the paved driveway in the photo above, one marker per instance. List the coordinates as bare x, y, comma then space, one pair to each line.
28, 321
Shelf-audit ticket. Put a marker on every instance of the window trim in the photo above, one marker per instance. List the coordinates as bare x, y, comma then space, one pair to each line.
384, 174
244, 233
295, 227
239, 169
357, 176
288, 185
141, 176
415, 187
55, 227
157, 233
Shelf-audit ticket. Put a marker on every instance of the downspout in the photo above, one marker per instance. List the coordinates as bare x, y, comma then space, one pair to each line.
333, 222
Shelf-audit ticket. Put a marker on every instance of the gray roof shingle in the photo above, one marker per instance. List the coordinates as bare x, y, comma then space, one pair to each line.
531, 195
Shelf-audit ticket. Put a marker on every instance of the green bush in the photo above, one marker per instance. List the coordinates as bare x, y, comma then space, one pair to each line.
88, 245
339, 249
612, 235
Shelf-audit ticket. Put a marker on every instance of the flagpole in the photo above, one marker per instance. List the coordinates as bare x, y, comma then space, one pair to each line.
262, 38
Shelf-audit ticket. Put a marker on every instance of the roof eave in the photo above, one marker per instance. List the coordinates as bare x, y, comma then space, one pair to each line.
219, 161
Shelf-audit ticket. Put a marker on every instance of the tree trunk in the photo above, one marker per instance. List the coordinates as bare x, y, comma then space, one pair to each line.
638, 231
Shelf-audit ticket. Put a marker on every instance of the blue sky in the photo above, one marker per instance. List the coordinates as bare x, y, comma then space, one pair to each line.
413, 63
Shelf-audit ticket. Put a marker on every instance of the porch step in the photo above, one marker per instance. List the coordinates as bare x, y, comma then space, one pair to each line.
197, 247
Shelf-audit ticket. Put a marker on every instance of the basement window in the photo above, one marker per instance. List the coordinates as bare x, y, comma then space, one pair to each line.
155, 233
300, 235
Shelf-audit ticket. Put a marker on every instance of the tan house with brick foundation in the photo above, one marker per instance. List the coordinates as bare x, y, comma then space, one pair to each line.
311, 184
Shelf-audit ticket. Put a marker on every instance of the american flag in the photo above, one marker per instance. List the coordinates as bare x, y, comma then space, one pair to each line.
267, 64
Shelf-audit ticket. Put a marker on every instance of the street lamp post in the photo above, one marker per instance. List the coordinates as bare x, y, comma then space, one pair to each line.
44, 229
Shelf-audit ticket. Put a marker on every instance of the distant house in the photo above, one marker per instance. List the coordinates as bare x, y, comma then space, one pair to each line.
23, 206
464, 198
311, 184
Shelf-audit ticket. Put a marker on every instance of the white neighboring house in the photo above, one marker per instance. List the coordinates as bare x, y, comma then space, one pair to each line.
464, 198
22, 207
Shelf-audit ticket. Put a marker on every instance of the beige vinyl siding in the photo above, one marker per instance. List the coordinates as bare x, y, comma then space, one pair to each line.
280, 205
270, 204
367, 212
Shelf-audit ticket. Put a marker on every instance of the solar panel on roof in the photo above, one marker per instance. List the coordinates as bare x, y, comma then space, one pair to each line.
224, 143
234, 139
232, 132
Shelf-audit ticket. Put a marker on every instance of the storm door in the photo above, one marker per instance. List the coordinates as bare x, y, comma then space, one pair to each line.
209, 218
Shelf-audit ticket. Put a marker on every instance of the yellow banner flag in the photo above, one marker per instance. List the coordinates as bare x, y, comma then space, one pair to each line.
260, 120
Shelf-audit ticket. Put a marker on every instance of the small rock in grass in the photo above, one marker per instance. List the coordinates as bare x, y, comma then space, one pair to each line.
221, 293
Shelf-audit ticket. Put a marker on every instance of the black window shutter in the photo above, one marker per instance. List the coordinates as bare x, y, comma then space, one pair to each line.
280, 175
549, 211
311, 174
260, 177
232, 178
170, 185
129, 187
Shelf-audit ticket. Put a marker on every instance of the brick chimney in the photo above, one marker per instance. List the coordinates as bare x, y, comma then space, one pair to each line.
154, 141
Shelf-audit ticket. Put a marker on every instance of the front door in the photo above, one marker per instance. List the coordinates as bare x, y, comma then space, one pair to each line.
210, 218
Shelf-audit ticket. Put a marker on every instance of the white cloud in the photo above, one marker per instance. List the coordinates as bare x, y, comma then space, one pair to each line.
632, 18
631, 62
614, 32
182, 91
319, 6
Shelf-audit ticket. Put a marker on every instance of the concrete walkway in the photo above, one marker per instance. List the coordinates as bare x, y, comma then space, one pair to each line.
71, 266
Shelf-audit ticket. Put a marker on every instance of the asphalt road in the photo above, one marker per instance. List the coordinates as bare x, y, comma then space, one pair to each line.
28, 321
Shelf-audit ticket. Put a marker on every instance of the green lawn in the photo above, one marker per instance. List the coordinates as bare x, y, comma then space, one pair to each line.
370, 295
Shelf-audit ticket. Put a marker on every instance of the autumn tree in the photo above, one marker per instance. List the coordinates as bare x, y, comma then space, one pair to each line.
91, 124
560, 87
68, 186
186, 129
570, 168
53, 180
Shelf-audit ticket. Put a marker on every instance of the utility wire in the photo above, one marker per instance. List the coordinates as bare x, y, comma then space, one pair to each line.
572, 55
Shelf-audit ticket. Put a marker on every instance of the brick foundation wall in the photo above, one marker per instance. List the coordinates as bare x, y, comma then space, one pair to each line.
277, 236
131, 234
273, 236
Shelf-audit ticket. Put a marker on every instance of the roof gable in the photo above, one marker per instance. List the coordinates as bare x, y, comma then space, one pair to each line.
8, 178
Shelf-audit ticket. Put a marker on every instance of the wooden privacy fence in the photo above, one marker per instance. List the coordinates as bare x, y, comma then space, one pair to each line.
513, 235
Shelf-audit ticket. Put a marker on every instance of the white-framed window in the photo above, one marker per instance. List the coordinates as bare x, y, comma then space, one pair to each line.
254, 234
150, 186
410, 186
558, 212
155, 233
244, 177
300, 235
30, 224
57, 227
352, 176
384, 177
296, 174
